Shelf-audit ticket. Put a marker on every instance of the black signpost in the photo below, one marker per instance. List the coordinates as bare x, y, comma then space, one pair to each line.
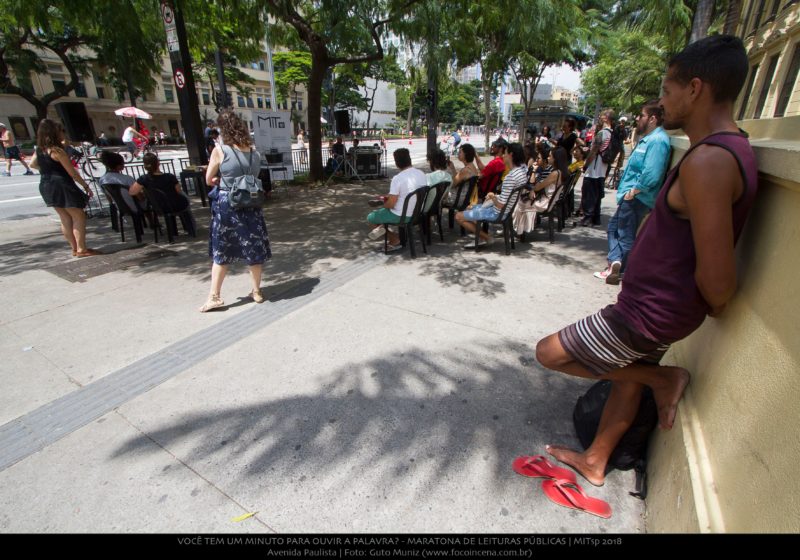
184, 82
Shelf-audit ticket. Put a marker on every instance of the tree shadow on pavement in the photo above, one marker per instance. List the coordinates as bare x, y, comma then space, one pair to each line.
412, 415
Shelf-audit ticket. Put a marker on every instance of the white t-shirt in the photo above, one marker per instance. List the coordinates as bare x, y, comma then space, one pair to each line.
403, 183
127, 136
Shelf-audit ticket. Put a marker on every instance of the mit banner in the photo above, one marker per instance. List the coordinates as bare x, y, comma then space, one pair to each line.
272, 131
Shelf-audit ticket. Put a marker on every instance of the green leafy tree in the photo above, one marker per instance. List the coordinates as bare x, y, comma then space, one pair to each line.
292, 69
335, 32
33, 30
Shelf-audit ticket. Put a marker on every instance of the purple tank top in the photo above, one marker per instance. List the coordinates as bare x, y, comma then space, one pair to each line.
659, 297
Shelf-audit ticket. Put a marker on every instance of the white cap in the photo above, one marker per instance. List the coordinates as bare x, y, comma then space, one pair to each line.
623, 119
2, 125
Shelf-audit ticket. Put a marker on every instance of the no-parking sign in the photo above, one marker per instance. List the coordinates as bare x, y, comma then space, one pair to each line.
180, 79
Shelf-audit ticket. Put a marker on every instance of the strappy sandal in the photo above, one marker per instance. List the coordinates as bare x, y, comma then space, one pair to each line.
256, 295
213, 302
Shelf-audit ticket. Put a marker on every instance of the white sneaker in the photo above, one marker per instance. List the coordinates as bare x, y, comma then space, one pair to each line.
604, 274
377, 233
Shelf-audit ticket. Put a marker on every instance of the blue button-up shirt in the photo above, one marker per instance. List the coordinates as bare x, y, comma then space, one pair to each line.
646, 168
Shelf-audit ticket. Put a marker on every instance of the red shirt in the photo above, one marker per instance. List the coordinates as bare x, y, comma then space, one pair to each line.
490, 175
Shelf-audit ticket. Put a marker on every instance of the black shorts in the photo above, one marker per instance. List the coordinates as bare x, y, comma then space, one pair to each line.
13, 153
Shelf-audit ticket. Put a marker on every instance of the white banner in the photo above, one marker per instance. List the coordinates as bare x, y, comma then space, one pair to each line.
272, 131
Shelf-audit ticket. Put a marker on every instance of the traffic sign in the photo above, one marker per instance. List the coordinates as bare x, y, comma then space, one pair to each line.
180, 79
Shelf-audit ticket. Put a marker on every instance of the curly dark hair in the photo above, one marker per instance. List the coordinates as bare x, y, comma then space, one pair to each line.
234, 130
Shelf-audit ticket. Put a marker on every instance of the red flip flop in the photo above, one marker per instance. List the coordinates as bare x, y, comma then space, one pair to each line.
570, 495
538, 466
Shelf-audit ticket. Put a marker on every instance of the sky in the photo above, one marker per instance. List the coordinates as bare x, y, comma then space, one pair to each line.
564, 76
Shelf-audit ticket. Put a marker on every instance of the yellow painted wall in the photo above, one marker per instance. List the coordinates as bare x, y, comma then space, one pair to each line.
730, 463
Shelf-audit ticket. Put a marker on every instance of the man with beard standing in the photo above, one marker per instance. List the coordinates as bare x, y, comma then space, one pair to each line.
637, 189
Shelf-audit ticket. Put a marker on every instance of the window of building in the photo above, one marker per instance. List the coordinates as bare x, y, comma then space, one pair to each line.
762, 96
240, 100
206, 97
775, 5
55, 69
25, 83
748, 91
263, 66
254, 65
59, 83
788, 83
260, 102
101, 92
80, 89
757, 19
168, 94
250, 102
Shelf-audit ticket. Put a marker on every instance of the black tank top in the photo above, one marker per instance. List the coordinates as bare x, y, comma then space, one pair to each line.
49, 167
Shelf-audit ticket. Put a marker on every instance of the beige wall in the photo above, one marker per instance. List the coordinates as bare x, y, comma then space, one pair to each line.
730, 463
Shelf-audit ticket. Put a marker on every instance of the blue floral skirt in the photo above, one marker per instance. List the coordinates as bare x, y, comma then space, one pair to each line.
237, 234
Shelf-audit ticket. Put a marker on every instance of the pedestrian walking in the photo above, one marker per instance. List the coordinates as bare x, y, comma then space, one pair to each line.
236, 234
11, 151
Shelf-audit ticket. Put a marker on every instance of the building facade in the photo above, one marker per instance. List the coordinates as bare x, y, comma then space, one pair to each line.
770, 31
100, 100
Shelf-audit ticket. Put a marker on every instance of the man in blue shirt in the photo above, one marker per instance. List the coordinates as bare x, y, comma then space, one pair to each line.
638, 188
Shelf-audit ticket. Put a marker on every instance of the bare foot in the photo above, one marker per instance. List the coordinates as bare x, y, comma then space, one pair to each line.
595, 474
668, 393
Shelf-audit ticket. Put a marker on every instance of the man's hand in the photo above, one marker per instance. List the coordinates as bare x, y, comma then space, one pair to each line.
631, 194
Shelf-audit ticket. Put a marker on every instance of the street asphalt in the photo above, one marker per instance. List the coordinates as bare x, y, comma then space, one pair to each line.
367, 394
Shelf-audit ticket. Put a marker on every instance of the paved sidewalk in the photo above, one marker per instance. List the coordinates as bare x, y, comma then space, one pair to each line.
368, 394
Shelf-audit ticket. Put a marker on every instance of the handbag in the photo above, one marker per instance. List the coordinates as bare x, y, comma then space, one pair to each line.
247, 190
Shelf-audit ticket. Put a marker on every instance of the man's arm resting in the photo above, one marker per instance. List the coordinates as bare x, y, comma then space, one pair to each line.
390, 201
709, 183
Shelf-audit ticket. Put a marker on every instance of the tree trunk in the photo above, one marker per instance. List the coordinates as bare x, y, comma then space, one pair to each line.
732, 17
371, 102
410, 112
433, 111
702, 20
131, 90
318, 68
487, 90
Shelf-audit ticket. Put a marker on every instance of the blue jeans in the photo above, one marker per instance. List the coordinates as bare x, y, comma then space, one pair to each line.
622, 229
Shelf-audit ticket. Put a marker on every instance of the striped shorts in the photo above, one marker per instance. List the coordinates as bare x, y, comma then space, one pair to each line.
603, 342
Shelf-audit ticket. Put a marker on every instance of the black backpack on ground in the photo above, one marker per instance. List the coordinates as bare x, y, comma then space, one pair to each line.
631, 451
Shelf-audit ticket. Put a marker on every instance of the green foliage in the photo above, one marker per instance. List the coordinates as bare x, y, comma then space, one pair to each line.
459, 104
292, 68
627, 72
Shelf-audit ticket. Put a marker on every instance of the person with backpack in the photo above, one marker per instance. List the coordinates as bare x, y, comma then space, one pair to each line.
235, 233
600, 156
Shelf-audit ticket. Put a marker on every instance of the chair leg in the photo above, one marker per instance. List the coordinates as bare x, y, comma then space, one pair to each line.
550, 229
439, 223
410, 239
478, 227
506, 239
121, 226
115, 217
451, 218
138, 228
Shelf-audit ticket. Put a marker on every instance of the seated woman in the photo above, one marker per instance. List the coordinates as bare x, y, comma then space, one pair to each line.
114, 165
552, 176
517, 176
437, 161
578, 159
466, 155
166, 183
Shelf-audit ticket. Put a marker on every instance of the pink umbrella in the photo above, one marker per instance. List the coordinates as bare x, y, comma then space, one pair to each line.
133, 112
